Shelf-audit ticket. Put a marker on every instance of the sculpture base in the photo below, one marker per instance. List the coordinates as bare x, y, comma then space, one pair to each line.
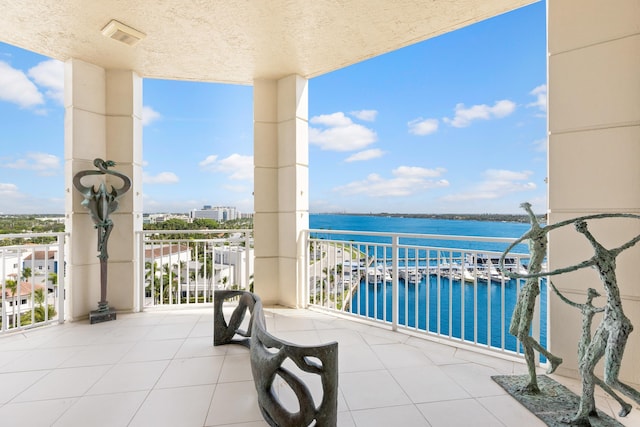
553, 405
98, 316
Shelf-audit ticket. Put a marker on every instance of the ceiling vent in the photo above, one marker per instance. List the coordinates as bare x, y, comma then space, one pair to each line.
122, 33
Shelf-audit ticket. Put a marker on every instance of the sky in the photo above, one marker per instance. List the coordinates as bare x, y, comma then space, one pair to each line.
454, 124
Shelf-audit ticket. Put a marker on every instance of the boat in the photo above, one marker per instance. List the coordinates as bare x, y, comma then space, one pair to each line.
410, 275
378, 274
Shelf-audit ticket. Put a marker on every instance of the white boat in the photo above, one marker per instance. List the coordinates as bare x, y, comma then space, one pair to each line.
410, 275
378, 274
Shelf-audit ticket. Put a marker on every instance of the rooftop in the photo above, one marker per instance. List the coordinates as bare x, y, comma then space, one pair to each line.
160, 368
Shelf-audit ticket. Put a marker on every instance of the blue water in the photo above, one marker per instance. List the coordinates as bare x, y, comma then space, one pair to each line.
435, 298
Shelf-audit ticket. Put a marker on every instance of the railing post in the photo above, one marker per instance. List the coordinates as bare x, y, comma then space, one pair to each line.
139, 259
62, 265
247, 269
303, 270
395, 282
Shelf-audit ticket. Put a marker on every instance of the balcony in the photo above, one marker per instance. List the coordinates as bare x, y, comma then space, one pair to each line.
159, 366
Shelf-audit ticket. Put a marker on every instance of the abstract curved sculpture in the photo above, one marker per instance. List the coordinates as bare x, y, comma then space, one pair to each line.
268, 357
101, 203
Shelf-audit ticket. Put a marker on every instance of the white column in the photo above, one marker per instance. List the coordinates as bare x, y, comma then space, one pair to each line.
102, 119
594, 158
281, 183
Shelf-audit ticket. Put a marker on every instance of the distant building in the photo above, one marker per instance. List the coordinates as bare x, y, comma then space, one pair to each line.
241, 265
217, 213
42, 264
167, 254
162, 217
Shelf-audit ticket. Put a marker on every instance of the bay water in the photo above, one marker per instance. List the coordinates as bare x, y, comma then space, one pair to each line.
491, 322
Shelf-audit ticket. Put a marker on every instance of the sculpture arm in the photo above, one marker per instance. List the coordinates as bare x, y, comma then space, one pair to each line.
565, 299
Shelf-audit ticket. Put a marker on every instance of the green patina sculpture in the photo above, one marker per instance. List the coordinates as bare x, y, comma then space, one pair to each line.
588, 310
526, 303
101, 203
610, 337
271, 362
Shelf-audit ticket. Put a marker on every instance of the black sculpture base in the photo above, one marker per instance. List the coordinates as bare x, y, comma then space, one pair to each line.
98, 316
554, 405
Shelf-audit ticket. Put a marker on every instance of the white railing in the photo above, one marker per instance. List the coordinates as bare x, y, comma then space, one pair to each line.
446, 287
185, 267
32, 280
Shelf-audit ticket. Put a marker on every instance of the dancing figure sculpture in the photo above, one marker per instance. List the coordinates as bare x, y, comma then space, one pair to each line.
588, 310
526, 303
610, 337
101, 203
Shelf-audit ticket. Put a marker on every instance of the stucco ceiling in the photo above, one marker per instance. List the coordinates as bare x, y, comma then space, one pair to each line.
235, 41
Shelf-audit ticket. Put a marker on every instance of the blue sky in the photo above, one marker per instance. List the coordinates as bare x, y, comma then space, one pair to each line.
455, 124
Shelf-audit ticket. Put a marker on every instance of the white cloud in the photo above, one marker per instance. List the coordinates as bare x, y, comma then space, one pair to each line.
540, 144
237, 166
15, 87
365, 155
418, 172
497, 183
161, 178
149, 115
464, 116
540, 93
45, 164
366, 115
50, 75
340, 133
8, 190
422, 126
210, 160
236, 188
406, 181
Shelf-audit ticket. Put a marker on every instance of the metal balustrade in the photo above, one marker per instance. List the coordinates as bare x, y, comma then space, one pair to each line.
32, 279
438, 286
185, 266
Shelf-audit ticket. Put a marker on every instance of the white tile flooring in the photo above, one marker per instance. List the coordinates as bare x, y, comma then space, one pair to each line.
159, 368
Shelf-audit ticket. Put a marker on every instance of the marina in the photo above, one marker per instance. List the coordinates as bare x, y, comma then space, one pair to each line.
444, 286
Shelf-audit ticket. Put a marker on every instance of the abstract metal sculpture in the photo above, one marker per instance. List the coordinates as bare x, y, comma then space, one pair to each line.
101, 203
268, 357
611, 336
525, 305
588, 310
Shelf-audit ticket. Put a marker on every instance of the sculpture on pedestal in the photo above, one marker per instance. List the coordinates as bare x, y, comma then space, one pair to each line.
102, 203
611, 336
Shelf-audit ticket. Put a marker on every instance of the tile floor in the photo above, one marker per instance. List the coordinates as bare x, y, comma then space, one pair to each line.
159, 368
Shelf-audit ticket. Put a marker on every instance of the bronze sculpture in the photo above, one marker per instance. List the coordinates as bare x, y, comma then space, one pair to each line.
612, 333
101, 203
525, 305
588, 310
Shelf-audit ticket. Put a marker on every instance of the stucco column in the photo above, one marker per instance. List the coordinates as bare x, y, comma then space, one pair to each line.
594, 159
281, 184
103, 112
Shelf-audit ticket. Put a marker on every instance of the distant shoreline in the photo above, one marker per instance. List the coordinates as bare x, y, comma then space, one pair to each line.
465, 217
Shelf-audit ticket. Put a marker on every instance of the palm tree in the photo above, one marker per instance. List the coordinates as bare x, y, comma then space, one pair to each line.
169, 282
152, 280
26, 273
40, 314
13, 288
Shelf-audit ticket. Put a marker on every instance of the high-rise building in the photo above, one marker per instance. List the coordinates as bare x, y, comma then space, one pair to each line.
218, 213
